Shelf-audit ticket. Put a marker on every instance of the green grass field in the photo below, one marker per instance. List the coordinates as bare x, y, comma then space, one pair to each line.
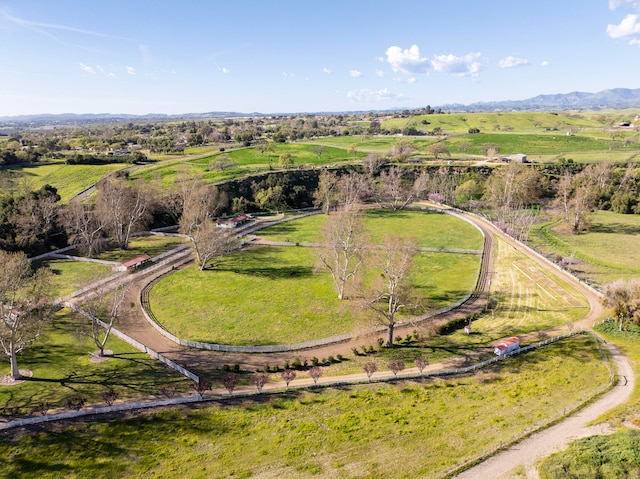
139, 245
269, 295
61, 369
401, 430
68, 179
69, 276
607, 252
432, 230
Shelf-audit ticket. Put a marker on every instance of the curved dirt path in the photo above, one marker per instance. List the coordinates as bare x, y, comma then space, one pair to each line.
555, 438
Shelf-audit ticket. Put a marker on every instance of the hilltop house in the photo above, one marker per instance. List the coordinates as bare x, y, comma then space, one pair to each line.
505, 346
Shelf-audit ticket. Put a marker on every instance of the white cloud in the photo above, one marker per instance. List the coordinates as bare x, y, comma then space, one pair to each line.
87, 69
224, 70
545, 64
328, 71
411, 80
355, 74
467, 65
513, 62
408, 60
130, 70
629, 29
379, 73
614, 4
288, 75
367, 95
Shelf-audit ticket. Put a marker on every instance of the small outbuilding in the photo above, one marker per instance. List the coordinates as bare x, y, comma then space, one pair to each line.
507, 345
232, 222
137, 262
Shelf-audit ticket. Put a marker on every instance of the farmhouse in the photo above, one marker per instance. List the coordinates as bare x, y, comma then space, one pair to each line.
232, 222
517, 158
505, 346
137, 262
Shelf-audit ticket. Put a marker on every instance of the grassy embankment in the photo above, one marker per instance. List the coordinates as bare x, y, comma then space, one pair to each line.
608, 251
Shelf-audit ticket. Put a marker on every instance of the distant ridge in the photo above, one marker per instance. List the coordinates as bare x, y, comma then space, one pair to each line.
615, 99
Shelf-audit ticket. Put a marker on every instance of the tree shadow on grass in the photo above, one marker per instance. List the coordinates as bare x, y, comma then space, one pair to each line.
616, 228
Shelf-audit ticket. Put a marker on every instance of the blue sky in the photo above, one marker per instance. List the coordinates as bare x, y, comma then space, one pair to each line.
140, 56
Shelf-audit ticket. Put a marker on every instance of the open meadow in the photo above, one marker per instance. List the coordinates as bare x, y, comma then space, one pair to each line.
68, 179
407, 429
606, 252
62, 369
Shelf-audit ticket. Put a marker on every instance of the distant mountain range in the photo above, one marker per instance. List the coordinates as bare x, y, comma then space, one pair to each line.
616, 99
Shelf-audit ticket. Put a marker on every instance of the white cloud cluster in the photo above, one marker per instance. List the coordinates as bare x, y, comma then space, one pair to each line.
408, 60
614, 4
367, 95
467, 65
130, 70
224, 70
513, 62
355, 74
328, 71
628, 29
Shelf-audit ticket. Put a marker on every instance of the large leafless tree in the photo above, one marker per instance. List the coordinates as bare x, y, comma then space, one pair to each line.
23, 305
83, 227
326, 195
391, 289
342, 250
395, 192
123, 207
102, 310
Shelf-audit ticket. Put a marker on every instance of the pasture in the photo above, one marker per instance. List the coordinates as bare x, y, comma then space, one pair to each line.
61, 369
431, 230
608, 251
68, 179
268, 295
281, 295
407, 429
70, 276
152, 245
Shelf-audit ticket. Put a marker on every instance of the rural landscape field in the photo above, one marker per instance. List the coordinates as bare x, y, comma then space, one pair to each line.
343, 288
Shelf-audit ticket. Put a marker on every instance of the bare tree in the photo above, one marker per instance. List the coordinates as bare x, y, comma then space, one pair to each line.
202, 385
230, 381
123, 208
342, 251
402, 150
372, 164
23, 306
394, 192
391, 291
421, 363
37, 216
83, 227
288, 375
326, 195
315, 372
370, 368
624, 299
439, 149
351, 189
102, 310
259, 380
207, 241
319, 150
396, 366
222, 162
